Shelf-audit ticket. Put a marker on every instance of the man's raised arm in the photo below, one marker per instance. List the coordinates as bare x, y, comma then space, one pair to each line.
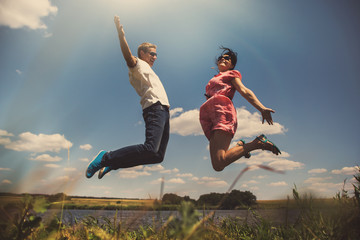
129, 58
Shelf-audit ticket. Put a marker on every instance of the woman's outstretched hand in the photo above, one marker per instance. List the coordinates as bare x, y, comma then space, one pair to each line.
266, 115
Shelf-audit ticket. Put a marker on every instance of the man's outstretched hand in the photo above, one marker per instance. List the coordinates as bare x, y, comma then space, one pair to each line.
119, 27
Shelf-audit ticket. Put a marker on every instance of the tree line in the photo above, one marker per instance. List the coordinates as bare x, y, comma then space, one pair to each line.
233, 200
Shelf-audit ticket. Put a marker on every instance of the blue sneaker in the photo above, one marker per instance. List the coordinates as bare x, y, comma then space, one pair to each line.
95, 164
104, 171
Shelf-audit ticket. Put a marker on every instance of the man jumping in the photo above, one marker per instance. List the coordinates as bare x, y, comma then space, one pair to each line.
155, 106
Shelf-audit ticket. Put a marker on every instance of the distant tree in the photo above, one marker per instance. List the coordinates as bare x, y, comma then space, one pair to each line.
188, 199
238, 199
171, 198
210, 199
248, 199
58, 197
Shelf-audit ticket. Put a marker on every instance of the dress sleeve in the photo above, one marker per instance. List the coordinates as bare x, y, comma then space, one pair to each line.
234, 74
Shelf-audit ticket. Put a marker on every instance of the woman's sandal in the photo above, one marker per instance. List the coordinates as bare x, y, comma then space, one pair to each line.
264, 139
247, 155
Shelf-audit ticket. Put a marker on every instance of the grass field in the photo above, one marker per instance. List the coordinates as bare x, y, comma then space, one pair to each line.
102, 201
324, 219
98, 203
24, 222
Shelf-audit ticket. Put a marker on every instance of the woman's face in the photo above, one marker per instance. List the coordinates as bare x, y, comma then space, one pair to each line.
224, 63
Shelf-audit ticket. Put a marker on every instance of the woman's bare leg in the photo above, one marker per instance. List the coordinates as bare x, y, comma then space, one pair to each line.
222, 156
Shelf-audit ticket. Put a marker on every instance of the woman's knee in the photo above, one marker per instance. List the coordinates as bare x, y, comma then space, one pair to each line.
218, 168
217, 163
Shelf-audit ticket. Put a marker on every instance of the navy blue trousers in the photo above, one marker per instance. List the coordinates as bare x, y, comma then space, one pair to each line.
153, 150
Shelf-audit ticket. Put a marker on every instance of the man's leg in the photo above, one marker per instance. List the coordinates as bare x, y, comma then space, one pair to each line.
156, 120
164, 139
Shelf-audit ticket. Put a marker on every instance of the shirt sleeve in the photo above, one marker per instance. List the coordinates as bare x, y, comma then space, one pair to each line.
136, 67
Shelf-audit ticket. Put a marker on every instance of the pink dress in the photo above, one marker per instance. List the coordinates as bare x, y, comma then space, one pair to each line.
218, 112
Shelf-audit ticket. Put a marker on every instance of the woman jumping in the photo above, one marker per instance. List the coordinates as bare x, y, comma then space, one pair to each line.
218, 115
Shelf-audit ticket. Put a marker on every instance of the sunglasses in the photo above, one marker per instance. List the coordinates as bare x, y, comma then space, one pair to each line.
153, 54
227, 58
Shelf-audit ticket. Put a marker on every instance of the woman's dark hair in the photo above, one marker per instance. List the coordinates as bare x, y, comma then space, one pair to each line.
230, 53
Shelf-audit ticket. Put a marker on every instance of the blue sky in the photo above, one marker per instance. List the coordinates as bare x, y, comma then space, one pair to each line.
65, 94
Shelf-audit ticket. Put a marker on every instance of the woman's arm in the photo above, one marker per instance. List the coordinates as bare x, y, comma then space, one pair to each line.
129, 58
253, 100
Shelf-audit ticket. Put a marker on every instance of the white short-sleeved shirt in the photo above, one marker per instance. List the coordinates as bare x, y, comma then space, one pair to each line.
147, 84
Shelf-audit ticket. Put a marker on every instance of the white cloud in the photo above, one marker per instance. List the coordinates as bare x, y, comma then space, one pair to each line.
101, 187
187, 123
138, 123
212, 182
18, 71
286, 165
252, 188
345, 170
140, 167
39, 143
325, 187
169, 171
249, 124
130, 174
157, 167
6, 181
5, 169
317, 170
24, 13
156, 181
86, 147
251, 182
70, 169
261, 177
209, 179
217, 183
63, 178
52, 165
189, 175
47, 34
46, 158
276, 161
260, 157
4, 140
84, 159
4, 133
175, 111
313, 180
278, 184
176, 180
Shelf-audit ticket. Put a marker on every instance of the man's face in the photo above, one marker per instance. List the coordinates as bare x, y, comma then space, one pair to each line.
150, 56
